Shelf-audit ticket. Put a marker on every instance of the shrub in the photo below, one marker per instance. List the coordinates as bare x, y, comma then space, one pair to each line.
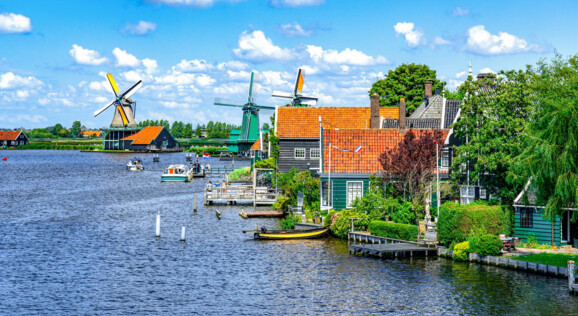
461, 251
289, 222
393, 230
457, 221
268, 163
282, 203
328, 216
489, 245
403, 214
374, 205
238, 173
342, 224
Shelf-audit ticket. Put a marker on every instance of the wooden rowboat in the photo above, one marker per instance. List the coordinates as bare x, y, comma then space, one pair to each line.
290, 234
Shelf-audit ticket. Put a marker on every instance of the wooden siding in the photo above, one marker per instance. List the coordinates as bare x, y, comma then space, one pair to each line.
542, 228
340, 190
287, 158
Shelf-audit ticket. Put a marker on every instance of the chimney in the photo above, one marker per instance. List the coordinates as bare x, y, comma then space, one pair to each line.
486, 79
402, 113
374, 103
428, 84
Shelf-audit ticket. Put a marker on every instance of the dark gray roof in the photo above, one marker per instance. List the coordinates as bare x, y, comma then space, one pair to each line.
430, 108
412, 123
452, 107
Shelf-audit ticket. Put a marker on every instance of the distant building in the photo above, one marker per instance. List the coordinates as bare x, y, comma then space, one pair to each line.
13, 138
150, 138
90, 134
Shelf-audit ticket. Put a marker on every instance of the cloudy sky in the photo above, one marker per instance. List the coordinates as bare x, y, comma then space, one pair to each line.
54, 55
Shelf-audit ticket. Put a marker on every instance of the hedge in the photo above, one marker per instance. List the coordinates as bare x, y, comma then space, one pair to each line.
489, 245
393, 230
461, 251
456, 222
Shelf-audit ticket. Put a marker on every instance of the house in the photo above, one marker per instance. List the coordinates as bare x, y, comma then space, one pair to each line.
529, 220
150, 138
298, 130
88, 133
350, 157
259, 150
13, 139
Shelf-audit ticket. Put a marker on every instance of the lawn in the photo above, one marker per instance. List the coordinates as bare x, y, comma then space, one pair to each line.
554, 259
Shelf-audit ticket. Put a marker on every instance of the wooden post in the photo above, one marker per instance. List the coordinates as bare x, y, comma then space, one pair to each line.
195, 207
571, 277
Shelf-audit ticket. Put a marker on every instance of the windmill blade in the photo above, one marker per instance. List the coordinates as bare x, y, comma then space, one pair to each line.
97, 112
299, 82
279, 94
122, 114
132, 90
263, 107
225, 102
304, 98
113, 84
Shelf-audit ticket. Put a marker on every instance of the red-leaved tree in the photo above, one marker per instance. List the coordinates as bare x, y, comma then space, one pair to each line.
410, 166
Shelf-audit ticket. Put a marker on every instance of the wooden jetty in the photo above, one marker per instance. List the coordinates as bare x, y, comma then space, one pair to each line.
377, 246
219, 170
234, 194
265, 214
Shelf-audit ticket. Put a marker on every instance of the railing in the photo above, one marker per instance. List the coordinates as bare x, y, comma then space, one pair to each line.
237, 193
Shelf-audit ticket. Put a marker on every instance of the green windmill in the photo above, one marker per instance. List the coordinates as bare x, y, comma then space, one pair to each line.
240, 141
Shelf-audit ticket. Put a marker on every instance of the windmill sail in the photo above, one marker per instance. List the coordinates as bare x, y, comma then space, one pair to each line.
124, 107
298, 99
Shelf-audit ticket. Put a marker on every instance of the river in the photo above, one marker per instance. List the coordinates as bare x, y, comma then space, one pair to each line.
77, 238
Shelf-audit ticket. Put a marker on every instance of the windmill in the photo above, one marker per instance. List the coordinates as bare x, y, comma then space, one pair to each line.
124, 106
250, 126
297, 99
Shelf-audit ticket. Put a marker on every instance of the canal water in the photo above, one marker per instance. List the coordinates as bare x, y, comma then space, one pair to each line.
77, 238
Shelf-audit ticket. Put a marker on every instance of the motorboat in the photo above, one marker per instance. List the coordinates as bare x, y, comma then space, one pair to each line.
135, 164
177, 173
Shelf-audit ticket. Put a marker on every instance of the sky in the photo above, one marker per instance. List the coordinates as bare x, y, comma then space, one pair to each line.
54, 55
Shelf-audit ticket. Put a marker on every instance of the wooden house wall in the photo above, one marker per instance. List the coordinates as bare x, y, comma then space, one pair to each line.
162, 136
287, 158
542, 228
340, 190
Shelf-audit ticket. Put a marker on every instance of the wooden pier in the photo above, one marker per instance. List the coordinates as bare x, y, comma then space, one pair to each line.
262, 214
234, 194
364, 243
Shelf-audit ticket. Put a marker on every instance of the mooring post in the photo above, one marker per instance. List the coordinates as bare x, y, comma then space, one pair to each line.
195, 207
571, 277
183, 233
158, 230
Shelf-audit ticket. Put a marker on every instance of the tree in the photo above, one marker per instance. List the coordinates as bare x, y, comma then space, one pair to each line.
75, 129
405, 81
198, 131
490, 124
550, 156
57, 129
409, 166
188, 133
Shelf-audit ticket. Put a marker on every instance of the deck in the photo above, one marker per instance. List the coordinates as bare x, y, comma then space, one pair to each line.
364, 243
262, 214
234, 194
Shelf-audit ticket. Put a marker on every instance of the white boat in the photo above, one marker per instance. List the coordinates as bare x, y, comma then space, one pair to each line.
180, 173
135, 164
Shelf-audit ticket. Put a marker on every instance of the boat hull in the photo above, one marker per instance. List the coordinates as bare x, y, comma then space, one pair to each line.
174, 179
292, 234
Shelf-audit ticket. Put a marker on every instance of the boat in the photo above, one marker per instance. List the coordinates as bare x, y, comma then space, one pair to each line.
135, 164
177, 173
290, 234
198, 170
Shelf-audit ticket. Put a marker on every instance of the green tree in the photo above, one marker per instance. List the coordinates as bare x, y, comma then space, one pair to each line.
405, 81
57, 129
75, 129
550, 155
188, 133
490, 124
198, 130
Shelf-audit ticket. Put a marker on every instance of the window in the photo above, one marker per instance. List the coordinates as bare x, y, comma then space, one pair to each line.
314, 153
299, 152
326, 193
526, 217
483, 194
354, 190
445, 159
467, 194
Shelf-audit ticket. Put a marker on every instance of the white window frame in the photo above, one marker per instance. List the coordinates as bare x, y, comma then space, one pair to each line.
349, 201
446, 155
483, 194
329, 187
298, 149
467, 194
314, 150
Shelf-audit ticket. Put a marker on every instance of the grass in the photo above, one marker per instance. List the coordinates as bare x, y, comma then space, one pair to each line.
238, 173
554, 259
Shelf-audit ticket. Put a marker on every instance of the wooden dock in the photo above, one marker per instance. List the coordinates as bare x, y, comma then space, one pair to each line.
265, 214
364, 243
234, 194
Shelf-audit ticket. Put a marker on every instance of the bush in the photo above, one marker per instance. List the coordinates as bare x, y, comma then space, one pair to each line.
374, 205
282, 203
393, 230
489, 245
268, 163
457, 221
342, 224
289, 222
209, 150
238, 173
403, 214
461, 251
327, 219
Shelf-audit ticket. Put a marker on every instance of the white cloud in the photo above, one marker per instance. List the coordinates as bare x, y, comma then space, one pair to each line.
441, 41
150, 65
124, 59
233, 65
11, 81
14, 23
294, 30
195, 65
238, 75
256, 47
347, 56
85, 56
461, 74
192, 3
296, 3
453, 84
482, 42
460, 12
412, 37
487, 70
141, 28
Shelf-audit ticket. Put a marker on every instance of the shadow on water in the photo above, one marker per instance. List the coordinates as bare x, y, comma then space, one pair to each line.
78, 238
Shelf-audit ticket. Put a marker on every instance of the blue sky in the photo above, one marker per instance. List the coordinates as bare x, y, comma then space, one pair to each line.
54, 55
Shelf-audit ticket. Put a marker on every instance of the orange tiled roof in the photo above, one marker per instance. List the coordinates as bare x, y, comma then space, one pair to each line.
256, 145
373, 143
297, 122
91, 133
145, 136
9, 135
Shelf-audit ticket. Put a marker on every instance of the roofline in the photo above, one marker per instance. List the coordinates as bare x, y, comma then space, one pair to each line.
543, 207
348, 175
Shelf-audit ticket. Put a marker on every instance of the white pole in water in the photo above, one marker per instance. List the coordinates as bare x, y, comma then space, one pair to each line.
183, 233
195, 208
158, 231
438, 183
